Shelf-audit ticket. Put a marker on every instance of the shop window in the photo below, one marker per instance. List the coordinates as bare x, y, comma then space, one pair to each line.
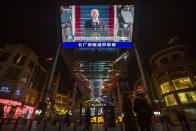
164, 61
170, 100
12, 111
19, 92
187, 97
194, 77
191, 112
31, 84
25, 77
182, 83
165, 87
32, 100
12, 73
31, 65
26, 99
4, 56
19, 59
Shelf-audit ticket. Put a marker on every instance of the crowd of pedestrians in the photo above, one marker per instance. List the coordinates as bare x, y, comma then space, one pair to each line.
144, 114
131, 107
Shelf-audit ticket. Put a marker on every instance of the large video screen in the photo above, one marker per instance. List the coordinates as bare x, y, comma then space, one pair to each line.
97, 26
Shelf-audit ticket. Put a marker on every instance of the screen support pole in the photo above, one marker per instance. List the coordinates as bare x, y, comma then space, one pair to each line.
54, 67
141, 71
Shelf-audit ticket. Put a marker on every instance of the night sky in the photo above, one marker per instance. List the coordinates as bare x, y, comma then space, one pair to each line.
35, 25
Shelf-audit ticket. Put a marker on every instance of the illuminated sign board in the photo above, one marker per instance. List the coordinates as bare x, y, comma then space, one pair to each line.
96, 106
97, 26
97, 102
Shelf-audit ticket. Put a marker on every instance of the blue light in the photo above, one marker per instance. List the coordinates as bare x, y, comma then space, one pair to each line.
95, 98
106, 101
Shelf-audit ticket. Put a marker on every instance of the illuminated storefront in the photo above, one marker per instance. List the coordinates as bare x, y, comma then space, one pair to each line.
175, 80
61, 104
165, 88
101, 111
182, 83
14, 109
187, 97
21, 81
170, 100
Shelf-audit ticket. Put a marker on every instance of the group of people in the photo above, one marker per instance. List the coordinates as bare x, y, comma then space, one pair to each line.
142, 109
144, 114
64, 119
140, 106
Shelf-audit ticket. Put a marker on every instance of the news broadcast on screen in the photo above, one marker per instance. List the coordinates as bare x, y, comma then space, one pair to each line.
97, 26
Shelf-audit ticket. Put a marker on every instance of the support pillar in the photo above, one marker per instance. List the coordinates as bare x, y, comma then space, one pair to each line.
142, 73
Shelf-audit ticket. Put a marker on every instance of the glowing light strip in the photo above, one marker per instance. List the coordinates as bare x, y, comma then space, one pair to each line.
98, 100
106, 101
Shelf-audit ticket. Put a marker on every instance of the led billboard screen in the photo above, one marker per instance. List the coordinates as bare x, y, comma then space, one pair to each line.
97, 26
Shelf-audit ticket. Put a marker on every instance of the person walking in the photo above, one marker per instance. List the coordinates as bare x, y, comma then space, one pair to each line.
67, 121
180, 114
129, 120
1, 111
143, 111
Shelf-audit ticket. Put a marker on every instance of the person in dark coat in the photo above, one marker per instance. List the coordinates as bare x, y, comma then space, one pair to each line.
87, 120
95, 22
125, 20
129, 120
1, 110
180, 114
143, 111
67, 121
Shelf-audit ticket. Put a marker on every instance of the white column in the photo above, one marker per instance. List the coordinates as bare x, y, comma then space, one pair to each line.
73, 20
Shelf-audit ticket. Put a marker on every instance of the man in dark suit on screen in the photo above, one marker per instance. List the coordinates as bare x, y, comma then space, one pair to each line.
95, 22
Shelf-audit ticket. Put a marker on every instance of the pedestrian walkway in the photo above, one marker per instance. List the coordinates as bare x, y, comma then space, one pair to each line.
50, 127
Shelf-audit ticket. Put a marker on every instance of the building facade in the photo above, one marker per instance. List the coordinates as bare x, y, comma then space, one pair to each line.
61, 104
174, 78
21, 80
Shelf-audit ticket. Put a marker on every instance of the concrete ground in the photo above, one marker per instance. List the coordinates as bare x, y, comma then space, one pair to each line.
49, 127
